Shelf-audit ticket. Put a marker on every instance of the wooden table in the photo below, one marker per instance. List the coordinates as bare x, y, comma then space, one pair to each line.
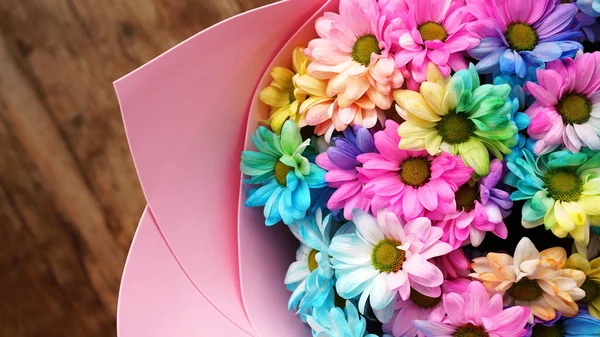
69, 196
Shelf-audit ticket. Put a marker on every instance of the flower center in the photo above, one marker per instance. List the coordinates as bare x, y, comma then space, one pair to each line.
386, 256
592, 291
540, 330
470, 330
431, 31
563, 184
364, 47
574, 109
281, 172
525, 290
521, 37
422, 300
455, 128
415, 171
465, 197
312, 260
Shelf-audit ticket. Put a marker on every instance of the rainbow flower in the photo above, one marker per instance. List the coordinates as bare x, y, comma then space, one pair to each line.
433, 31
459, 116
410, 182
353, 54
562, 190
591, 286
285, 175
520, 34
567, 107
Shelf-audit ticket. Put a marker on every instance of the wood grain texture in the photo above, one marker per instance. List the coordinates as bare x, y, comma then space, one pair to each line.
69, 196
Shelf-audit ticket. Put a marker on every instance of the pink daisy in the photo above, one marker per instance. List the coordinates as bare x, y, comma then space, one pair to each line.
433, 31
474, 314
353, 53
454, 265
420, 307
410, 182
567, 109
480, 208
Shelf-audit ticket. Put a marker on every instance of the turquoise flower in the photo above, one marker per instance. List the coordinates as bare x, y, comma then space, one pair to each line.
561, 189
336, 322
517, 98
311, 277
285, 175
582, 325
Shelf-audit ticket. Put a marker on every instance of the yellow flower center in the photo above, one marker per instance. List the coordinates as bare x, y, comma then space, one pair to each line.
540, 330
525, 290
312, 260
563, 184
465, 197
431, 31
455, 128
521, 37
424, 301
415, 171
574, 108
470, 330
364, 47
281, 172
592, 291
386, 257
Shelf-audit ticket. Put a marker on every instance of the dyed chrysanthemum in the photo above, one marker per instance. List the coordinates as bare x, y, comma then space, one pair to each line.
285, 175
325, 113
283, 95
311, 276
567, 107
386, 258
532, 279
520, 34
454, 265
591, 286
433, 31
586, 18
410, 182
475, 314
562, 190
338, 322
458, 116
353, 53
342, 170
521, 120
480, 207
582, 325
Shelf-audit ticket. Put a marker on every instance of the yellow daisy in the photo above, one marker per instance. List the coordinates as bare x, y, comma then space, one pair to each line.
283, 95
591, 285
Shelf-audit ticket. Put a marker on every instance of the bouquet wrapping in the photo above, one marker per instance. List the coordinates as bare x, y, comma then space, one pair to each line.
409, 168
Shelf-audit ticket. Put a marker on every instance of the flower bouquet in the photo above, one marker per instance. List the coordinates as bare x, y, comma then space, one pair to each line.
410, 168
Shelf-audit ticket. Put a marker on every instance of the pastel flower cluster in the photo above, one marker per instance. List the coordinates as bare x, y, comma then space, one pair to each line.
439, 163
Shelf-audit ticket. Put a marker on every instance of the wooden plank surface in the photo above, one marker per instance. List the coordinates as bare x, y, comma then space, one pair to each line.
69, 196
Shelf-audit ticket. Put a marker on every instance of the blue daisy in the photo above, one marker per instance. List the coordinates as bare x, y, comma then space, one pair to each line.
285, 174
336, 322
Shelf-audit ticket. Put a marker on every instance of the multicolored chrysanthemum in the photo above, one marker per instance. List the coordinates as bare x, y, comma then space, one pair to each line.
285, 175
432, 31
567, 108
475, 314
353, 54
516, 35
562, 190
386, 258
338, 322
342, 166
591, 286
532, 279
581, 325
459, 116
410, 182
480, 208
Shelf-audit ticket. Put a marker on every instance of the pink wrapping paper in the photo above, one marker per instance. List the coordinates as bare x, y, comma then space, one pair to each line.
186, 118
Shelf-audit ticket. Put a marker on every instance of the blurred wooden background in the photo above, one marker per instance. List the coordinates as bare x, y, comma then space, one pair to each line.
69, 196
